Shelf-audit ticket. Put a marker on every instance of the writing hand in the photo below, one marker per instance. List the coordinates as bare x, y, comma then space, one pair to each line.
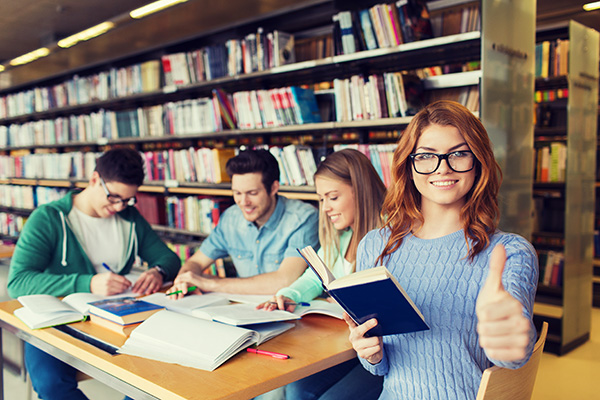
369, 348
149, 282
278, 302
502, 327
109, 283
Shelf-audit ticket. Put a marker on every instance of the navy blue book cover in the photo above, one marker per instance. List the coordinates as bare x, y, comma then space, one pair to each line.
123, 306
381, 300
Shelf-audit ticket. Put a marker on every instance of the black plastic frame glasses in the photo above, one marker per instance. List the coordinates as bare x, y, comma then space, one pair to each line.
451, 158
114, 199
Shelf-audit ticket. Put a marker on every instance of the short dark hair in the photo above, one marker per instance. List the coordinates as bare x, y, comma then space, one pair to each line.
250, 161
122, 165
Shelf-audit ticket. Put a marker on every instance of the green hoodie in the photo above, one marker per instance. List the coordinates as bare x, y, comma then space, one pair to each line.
48, 258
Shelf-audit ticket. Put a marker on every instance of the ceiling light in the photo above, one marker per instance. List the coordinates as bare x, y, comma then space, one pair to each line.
154, 7
591, 6
29, 57
86, 34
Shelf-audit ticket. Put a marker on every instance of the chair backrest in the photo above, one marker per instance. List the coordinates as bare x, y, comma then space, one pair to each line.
513, 384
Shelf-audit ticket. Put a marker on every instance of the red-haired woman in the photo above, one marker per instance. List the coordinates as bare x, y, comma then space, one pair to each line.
474, 284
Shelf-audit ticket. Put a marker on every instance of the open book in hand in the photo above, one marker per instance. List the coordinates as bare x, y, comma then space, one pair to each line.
371, 293
193, 342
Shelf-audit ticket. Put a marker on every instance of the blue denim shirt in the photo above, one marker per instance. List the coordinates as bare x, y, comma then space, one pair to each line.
254, 251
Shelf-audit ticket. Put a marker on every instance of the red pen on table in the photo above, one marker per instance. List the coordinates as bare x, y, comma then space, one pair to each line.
268, 353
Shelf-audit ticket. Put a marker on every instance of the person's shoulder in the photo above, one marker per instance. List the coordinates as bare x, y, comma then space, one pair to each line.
232, 212
376, 236
512, 242
298, 207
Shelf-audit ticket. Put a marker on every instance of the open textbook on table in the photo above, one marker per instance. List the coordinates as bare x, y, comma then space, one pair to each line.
44, 310
371, 293
193, 342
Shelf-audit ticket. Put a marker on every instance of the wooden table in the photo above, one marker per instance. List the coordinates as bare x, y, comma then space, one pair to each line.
317, 342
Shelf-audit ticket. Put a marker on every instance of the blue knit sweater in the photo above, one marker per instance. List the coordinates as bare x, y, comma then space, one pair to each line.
445, 362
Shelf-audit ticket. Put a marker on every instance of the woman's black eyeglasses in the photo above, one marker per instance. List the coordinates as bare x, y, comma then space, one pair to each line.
428, 163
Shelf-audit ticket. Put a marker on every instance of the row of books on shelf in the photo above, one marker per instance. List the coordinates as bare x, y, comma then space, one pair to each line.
552, 58
244, 110
392, 24
198, 214
381, 156
551, 162
257, 51
194, 214
28, 197
188, 165
392, 94
297, 164
76, 165
551, 95
105, 85
405, 21
551, 268
272, 108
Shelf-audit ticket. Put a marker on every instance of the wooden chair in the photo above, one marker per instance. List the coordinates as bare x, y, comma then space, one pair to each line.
513, 384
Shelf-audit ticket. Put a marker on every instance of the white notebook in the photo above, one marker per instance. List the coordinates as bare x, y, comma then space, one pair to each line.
193, 342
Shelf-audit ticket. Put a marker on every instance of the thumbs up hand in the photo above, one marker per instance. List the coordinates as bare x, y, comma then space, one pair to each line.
504, 332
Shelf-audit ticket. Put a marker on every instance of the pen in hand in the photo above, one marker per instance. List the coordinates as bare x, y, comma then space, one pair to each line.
268, 353
107, 267
190, 289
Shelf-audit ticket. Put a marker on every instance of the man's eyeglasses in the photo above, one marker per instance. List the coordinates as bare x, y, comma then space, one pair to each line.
115, 199
428, 163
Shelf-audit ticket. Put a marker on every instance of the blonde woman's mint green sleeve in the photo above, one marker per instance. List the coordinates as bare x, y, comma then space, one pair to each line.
305, 288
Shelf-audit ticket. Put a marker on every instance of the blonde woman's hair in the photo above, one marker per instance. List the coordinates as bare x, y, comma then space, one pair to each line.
354, 169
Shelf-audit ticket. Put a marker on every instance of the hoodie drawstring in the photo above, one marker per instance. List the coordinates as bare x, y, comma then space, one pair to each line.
64, 249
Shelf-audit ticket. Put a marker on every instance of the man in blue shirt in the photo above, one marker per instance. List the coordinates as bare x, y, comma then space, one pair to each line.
260, 232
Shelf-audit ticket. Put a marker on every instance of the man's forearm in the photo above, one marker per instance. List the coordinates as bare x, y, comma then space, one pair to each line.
268, 283
191, 266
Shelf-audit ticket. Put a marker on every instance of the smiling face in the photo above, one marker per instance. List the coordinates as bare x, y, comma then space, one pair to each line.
337, 201
250, 195
444, 187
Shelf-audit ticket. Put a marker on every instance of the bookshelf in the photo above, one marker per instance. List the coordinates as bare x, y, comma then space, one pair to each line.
564, 190
505, 66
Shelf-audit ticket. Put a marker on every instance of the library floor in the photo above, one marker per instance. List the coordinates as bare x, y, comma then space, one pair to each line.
572, 376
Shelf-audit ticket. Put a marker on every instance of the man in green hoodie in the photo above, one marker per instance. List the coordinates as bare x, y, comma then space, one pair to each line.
86, 242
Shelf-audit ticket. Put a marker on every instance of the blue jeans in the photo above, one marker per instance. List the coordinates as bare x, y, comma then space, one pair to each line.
348, 380
50, 377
